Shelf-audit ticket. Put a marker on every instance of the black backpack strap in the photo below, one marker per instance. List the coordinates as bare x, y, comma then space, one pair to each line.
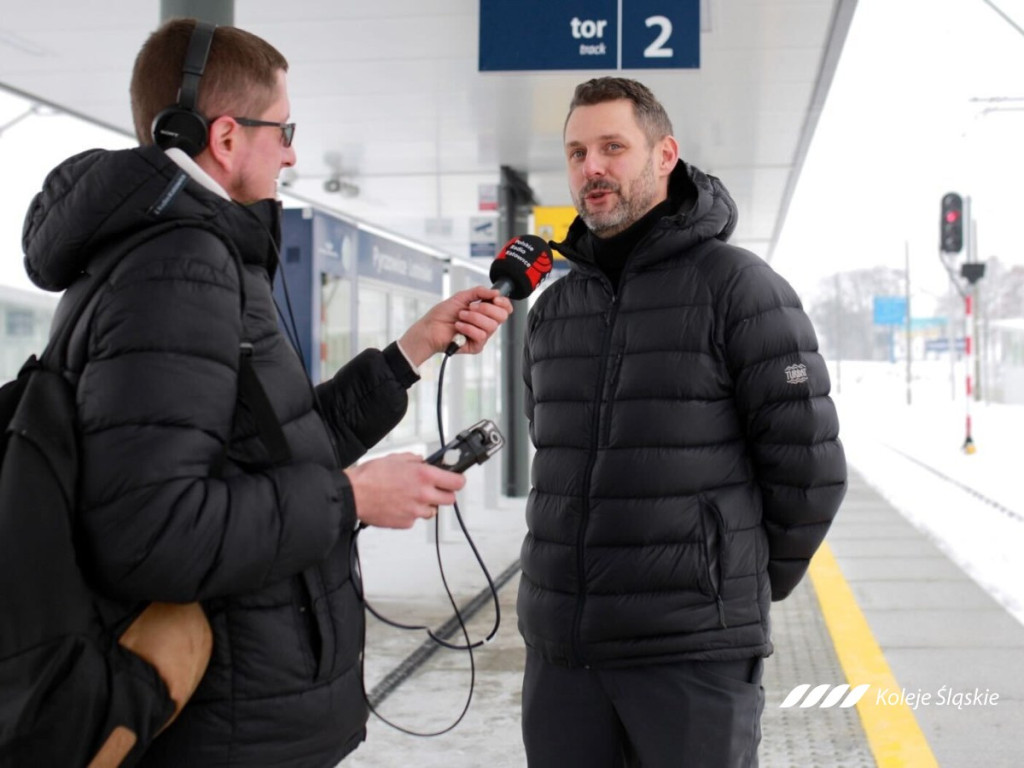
254, 396
79, 295
251, 391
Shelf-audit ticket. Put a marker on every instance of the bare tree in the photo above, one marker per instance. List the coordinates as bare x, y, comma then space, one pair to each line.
1001, 290
843, 312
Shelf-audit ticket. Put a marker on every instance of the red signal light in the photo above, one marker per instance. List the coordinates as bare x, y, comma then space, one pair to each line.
951, 236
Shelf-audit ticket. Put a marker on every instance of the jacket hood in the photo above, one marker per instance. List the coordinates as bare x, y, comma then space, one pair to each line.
101, 197
704, 211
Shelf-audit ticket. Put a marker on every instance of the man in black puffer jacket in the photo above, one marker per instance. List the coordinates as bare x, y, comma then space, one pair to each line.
179, 500
687, 462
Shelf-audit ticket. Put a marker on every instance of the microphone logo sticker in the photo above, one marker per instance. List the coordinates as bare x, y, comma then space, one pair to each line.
539, 269
521, 266
517, 249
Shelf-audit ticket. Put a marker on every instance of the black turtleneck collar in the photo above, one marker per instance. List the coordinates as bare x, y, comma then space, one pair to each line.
610, 253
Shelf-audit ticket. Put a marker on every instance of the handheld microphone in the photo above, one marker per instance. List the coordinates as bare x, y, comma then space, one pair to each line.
516, 272
520, 266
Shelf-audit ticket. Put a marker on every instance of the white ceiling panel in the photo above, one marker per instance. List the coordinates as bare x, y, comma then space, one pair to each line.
387, 93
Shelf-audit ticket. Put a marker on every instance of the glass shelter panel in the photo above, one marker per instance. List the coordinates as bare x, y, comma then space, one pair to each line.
336, 324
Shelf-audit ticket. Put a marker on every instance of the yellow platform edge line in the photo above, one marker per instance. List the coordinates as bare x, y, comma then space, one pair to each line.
893, 734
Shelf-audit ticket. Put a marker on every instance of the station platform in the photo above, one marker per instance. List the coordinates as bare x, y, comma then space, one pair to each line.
884, 618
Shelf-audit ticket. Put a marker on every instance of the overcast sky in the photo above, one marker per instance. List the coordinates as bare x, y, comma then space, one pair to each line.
910, 116
927, 99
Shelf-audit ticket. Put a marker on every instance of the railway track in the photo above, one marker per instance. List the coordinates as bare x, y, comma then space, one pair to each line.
1002, 508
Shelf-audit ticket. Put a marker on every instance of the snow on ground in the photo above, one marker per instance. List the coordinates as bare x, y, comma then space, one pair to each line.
880, 431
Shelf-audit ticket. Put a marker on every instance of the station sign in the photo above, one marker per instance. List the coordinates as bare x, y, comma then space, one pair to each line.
889, 310
487, 197
392, 262
534, 35
483, 237
942, 344
334, 244
552, 222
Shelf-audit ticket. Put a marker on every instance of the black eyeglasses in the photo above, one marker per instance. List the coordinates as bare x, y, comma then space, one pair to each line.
287, 129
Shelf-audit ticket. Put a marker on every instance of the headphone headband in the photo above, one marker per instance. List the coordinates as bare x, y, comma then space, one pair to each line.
182, 125
195, 63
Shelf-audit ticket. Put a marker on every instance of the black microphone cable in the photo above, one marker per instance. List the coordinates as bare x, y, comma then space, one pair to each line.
465, 532
469, 646
291, 332
440, 562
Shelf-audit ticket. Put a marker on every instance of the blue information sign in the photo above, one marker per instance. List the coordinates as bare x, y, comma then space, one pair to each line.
392, 262
890, 310
523, 35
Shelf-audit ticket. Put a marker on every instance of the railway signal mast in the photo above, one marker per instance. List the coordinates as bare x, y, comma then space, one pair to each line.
951, 243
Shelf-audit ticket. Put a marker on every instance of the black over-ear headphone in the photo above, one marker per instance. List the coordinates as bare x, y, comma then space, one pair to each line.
181, 125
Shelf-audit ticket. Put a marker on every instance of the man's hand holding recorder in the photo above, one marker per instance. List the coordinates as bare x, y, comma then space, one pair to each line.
396, 490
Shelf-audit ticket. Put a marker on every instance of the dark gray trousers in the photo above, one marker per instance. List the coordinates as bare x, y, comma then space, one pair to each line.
692, 714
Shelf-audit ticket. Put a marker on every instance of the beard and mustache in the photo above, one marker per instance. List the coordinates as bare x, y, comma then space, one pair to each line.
631, 205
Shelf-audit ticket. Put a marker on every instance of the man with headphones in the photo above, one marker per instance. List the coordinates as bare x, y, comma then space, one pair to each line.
185, 495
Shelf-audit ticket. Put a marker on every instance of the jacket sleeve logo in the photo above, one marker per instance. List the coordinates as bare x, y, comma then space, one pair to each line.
796, 374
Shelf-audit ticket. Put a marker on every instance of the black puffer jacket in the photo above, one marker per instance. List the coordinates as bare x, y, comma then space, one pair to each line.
687, 461
166, 516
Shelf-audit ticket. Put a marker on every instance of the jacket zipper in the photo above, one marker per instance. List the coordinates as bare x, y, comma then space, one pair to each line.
577, 643
713, 555
606, 432
308, 621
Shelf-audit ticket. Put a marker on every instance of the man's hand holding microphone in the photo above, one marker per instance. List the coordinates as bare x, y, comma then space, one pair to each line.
396, 490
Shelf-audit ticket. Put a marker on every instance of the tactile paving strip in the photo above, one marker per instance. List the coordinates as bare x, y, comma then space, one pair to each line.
811, 737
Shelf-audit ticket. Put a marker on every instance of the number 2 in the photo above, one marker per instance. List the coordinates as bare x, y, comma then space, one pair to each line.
655, 49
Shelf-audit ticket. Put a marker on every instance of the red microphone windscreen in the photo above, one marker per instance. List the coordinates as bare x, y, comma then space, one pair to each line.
524, 262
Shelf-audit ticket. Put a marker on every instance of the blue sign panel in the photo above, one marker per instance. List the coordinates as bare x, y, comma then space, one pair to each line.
483, 250
890, 310
548, 34
391, 262
942, 344
334, 244
524, 35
